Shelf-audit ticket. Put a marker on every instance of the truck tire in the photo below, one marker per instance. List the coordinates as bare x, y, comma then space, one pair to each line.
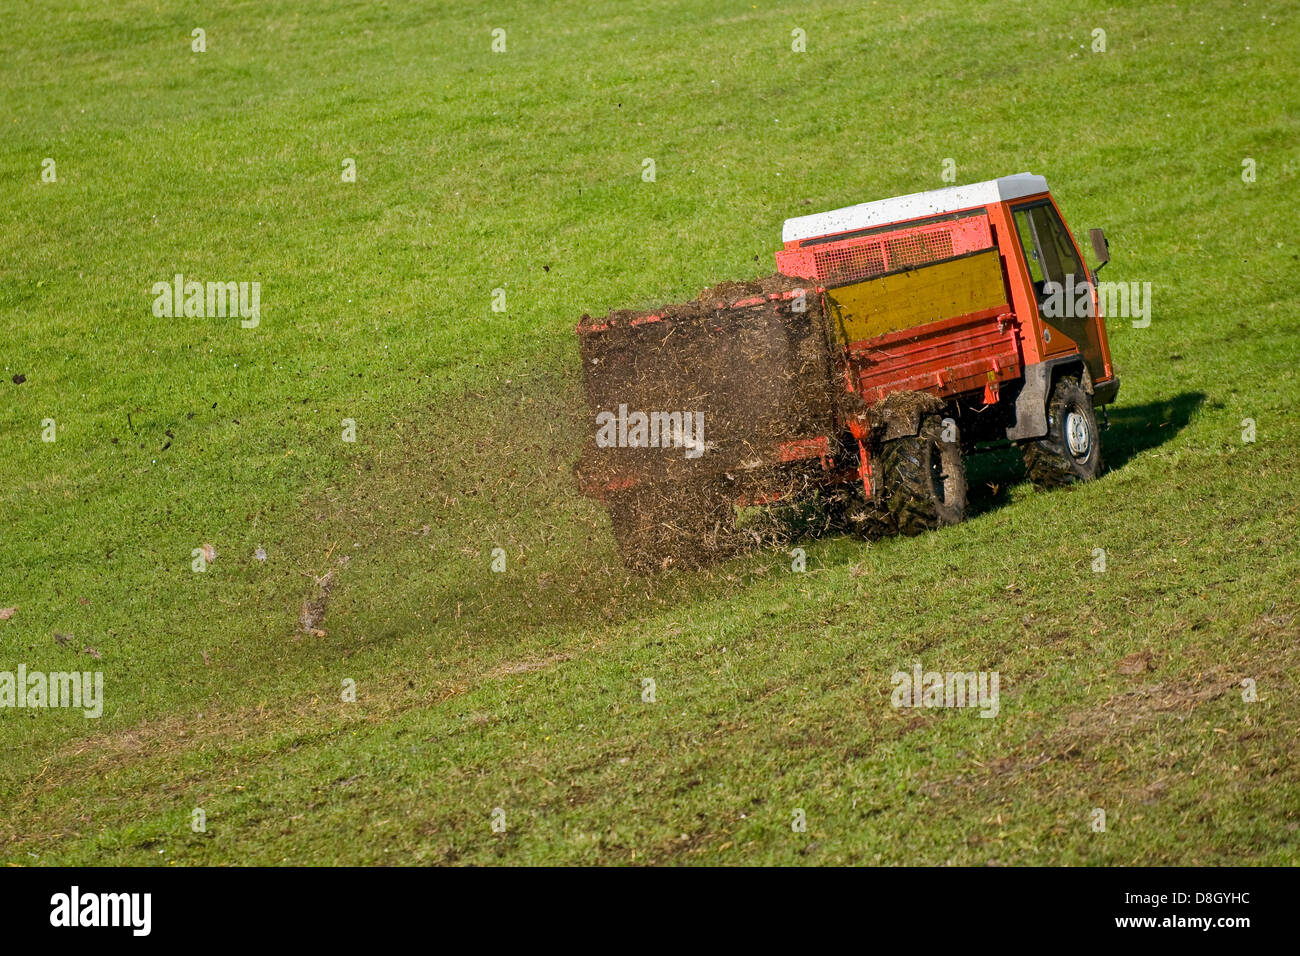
925, 478
687, 527
1070, 452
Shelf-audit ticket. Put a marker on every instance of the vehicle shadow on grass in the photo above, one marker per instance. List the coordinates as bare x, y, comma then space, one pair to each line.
1134, 429
1138, 428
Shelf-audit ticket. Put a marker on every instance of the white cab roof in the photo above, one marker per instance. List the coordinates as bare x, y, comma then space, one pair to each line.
936, 202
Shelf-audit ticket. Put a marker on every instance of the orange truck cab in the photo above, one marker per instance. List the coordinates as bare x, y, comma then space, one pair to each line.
978, 295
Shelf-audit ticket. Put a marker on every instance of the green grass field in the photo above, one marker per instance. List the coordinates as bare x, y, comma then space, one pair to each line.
522, 691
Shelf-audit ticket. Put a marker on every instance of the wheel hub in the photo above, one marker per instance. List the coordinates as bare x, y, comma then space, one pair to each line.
1077, 434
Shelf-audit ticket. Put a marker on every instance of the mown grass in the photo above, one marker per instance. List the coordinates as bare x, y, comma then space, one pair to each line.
522, 690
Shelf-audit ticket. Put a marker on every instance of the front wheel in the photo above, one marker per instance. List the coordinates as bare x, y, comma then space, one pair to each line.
1070, 452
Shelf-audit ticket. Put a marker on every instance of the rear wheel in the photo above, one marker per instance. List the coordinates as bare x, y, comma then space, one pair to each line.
1070, 452
852, 513
925, 478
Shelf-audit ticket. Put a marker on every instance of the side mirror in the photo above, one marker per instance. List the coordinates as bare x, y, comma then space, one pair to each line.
1100, 247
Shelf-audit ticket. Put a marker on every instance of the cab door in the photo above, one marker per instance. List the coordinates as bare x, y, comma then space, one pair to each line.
1061, 283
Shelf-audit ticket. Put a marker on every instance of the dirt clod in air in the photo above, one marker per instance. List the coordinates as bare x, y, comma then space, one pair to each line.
1136, 663
314, 608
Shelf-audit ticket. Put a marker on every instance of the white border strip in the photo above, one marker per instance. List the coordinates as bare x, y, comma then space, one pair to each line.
936, 202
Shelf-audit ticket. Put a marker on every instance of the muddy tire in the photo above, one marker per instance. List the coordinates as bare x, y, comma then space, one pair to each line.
688, 527
1070, 452
925, 479
850, 513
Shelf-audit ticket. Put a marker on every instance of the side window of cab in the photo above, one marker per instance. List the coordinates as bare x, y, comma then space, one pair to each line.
1048, 249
